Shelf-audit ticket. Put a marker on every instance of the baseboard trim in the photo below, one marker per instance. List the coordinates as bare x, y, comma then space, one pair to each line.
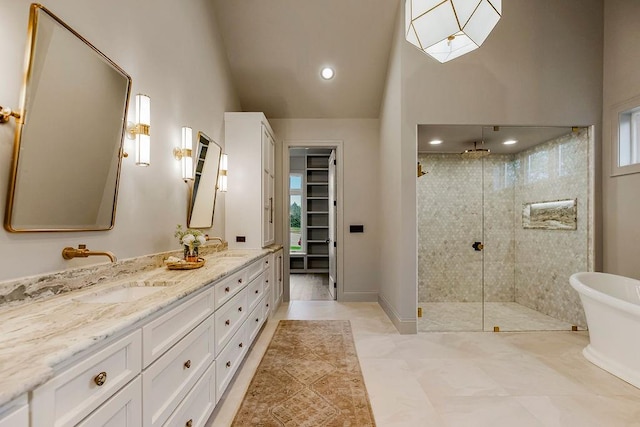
359, 297
404, 326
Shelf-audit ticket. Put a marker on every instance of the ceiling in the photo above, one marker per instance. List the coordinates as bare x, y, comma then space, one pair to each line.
276, 49
457, 138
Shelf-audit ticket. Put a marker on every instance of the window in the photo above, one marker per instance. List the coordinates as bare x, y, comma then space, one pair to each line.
624, 121
537, 166
629, 137
296, 216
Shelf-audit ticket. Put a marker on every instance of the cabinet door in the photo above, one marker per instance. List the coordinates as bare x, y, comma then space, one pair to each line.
279, 282
268, 187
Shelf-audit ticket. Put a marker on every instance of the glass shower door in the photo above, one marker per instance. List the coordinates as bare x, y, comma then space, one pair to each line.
450, 237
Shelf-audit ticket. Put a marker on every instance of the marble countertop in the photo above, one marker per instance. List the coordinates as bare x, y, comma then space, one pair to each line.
36, 336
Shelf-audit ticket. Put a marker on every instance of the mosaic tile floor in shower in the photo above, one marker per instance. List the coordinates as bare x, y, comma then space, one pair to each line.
467, 316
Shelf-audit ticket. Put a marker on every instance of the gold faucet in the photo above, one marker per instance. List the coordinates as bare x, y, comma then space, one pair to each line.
83, 252
208, 238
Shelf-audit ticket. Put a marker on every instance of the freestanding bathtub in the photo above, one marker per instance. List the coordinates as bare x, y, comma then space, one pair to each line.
612, 307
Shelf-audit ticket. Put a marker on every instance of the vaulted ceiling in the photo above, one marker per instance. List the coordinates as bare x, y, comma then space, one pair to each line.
276, 49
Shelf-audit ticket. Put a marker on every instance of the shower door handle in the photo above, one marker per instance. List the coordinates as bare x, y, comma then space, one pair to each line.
477, 246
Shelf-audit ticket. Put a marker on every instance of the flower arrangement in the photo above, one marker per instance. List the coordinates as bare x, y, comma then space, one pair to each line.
191, 239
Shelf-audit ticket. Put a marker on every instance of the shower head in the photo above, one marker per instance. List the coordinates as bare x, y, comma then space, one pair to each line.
475, 152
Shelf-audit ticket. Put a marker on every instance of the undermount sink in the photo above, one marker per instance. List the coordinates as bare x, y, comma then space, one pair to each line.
128, 292
233, 254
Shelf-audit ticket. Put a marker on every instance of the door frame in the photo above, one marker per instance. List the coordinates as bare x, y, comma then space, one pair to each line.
323, 143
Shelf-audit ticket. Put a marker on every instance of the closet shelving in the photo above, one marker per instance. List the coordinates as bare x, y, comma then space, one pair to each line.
315, 257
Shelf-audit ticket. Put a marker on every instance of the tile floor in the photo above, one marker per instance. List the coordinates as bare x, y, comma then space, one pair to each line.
309, 287
468, 316
471, 379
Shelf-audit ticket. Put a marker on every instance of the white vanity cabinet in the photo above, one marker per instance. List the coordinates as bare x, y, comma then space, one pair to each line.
124, 409
169, 370
278, 278
15, 413
75, 392
250, 200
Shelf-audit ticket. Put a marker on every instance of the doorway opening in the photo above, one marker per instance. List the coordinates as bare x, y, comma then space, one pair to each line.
311, 214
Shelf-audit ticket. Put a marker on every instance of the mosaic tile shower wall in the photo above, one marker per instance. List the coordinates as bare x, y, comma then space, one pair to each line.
545, 259
450, 209
531, 267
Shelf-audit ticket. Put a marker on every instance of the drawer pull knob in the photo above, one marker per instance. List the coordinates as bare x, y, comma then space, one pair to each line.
240, 308
229, 364
257, 319
267, 304
187, 364
226, 322
266, 281
239, 280
257, 291
189, 423
266, 262
100, 379
226, 289
240, 345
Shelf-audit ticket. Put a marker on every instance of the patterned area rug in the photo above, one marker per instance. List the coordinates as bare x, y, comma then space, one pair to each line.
309, 376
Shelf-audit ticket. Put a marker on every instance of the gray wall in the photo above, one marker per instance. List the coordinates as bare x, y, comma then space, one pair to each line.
621, 197
188, 80
361, 194
542, 65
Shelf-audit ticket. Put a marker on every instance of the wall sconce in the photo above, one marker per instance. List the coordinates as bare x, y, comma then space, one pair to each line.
184, 153
140, 130
222, 176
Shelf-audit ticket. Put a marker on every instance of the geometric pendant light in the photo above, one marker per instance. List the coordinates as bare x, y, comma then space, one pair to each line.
447, 29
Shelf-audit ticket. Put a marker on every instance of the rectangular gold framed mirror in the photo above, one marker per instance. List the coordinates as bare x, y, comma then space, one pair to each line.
68, 143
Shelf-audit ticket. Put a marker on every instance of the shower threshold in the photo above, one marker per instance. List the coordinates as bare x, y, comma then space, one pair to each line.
467, 316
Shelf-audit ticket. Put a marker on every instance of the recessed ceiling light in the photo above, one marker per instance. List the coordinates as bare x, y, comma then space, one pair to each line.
435, 142
327, 73
510, 142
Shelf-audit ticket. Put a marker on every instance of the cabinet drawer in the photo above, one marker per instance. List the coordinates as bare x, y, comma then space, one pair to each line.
228, 361
254, 322
169, 379
73, 394
266, 262
255, 269
15, 413
229, 287
160, 334
229, 319
199, 403
122, 410
256, 290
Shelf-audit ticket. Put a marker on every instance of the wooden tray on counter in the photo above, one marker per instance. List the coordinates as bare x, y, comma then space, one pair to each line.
184, 265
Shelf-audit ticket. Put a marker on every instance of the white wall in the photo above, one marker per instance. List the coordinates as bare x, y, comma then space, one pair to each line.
174, 54
621, 198
542, 65
361, 193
